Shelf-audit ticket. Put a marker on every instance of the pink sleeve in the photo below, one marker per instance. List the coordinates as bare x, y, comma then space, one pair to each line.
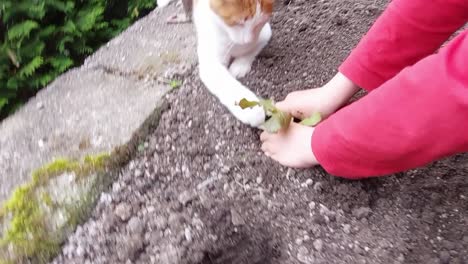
407, 31
416, 117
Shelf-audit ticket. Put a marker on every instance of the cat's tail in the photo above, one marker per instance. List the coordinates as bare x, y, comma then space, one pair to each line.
163, 3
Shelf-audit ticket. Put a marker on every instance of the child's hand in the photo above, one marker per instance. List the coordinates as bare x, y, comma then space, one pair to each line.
326, 99
302, 104
291, 147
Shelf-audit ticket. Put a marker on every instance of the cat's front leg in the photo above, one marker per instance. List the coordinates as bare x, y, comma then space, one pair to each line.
228, 90
243, 64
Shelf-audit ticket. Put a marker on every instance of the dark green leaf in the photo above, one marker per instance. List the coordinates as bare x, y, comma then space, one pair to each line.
244, 103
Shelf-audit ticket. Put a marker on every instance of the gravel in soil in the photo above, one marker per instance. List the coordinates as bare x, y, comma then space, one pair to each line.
201, 191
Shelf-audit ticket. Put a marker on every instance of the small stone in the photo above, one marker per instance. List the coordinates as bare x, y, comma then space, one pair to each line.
366, 249
299, 241
309, 182
448, 245
401, 258
188, 234
41, 143
259, 180
444, 257
160, 222
185, 197
347, 229
303, 255
79, 251
40, 105
138, 173
312, 205
318, 187
362, 212
318, 245
465, 239
123, 211
105, 198
358, 250
225, 169
319, 219
129, 247
135, 226
236, 218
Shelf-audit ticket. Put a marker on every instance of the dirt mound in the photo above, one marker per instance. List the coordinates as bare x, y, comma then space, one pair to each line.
201, 191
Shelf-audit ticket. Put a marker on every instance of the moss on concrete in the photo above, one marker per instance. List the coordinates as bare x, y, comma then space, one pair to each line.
27, 235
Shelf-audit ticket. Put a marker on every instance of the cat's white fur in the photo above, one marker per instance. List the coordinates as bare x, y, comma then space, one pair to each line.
163, 3
218, 45
226, 53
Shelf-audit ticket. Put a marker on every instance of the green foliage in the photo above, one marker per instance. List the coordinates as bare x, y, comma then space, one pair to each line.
40, 39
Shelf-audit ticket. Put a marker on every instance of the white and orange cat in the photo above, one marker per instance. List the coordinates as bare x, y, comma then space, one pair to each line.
230, 34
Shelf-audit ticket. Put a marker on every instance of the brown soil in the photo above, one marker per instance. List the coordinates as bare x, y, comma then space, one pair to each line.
203, 193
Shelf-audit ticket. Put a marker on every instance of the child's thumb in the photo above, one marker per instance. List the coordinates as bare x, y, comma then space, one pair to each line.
283, 106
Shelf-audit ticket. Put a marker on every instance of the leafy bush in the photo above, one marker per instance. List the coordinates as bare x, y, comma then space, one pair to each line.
40, 39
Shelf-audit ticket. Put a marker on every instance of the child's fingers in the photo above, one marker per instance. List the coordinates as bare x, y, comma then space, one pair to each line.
289, 108
264, 136
283, 106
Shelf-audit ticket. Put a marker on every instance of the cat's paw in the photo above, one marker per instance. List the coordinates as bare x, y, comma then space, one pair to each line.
253, 117
240, 67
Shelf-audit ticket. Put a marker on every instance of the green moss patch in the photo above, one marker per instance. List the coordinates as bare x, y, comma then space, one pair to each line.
29, 229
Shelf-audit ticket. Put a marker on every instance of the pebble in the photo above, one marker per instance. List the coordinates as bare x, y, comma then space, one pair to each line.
318, 187
259, 180
358, 250
299, 241
135, 226
188, 234
123, 211
318, 245
448, 245
362, 212
307, 183
401, 258
312, 205
303, 255
444, 257
236, 218
40, 105
129, 246
185, 197
347, 228
465, 239
160, 222
105, 198
79, 251
138, 173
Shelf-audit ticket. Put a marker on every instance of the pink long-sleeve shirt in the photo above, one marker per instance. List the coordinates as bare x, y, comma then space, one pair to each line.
417, 107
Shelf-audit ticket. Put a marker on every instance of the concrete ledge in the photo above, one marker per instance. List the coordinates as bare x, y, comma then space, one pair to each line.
105, 107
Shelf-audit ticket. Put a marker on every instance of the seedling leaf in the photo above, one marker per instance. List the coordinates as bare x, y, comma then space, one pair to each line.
313, 120
244, 103
279, 120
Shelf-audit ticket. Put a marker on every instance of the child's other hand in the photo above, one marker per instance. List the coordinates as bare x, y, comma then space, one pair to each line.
326, 100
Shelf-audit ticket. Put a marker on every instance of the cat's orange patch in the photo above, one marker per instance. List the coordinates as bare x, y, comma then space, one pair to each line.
236, 11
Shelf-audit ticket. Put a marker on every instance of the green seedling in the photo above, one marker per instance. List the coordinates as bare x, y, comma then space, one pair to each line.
277, 119
175, 84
